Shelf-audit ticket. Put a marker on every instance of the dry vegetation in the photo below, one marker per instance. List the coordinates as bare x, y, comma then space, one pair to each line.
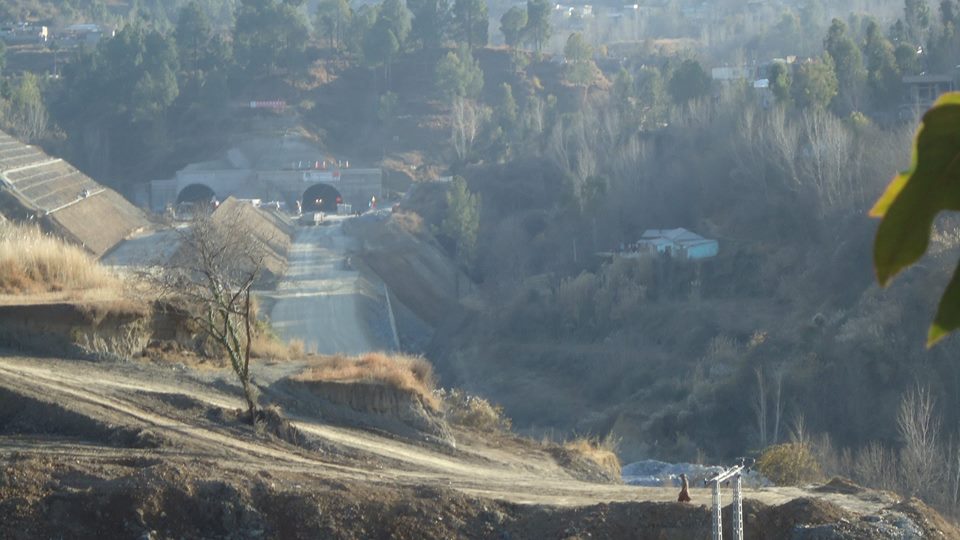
473, 412
34, 262
922, 463
267, 347
789, 464
406, 373
601, 452
266, 344
410, 222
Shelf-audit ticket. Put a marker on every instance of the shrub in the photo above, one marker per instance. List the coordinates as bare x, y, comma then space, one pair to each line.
408, 221
267, 346
789, 464
473, 412
296, 348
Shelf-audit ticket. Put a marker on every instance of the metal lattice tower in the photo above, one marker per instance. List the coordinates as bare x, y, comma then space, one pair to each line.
735, 474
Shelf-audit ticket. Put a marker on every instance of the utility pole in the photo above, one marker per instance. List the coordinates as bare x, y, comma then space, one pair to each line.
734, 473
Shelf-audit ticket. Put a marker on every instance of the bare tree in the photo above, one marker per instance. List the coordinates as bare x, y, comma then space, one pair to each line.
760, 406
783, 143
466, 117
798, 429
953, 455
534, 116
828, 155
748, 154
919, 425
777, 404
213, 273
767, 150
876, 466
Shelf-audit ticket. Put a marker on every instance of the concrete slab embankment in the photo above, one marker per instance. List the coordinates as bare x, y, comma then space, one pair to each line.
424, 284
69, 203
98, 223
271, 230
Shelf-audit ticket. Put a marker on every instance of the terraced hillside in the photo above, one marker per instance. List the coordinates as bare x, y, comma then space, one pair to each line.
67, 202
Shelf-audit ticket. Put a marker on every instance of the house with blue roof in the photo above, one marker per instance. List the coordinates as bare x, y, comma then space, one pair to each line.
678, 243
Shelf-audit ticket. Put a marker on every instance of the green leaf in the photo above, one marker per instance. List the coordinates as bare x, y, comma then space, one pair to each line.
912, 201
915, 197
948, 313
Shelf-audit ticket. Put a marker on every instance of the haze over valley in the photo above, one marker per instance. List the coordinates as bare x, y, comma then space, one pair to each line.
478, 269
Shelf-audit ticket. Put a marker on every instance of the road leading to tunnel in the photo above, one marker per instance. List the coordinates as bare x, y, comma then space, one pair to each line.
323, 301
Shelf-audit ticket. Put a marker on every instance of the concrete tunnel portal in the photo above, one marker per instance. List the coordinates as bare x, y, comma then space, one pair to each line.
321, 197
195, 193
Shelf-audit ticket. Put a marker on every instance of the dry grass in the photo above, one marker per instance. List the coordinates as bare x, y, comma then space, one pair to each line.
296, 348
265, 345
602, 452
34, 262
473, 412
406, 373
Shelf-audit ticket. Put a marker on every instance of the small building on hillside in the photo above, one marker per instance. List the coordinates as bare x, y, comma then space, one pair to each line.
729, 74
21, 33
677, 243
923, 90
83, 34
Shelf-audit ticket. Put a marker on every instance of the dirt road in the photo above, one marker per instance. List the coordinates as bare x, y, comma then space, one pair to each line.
118, 397
323, 301
89, 436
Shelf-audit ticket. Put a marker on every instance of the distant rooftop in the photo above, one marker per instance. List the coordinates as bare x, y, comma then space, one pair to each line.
678, 242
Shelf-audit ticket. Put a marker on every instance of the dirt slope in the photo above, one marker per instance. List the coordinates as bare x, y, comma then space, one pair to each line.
143, 441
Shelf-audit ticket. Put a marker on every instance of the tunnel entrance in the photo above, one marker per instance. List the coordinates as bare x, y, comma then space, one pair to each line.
195, 193
321, 197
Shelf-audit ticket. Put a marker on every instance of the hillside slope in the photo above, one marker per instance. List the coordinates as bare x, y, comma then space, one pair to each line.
158, 452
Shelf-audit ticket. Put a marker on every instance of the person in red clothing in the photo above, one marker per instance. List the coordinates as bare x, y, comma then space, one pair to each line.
684, 490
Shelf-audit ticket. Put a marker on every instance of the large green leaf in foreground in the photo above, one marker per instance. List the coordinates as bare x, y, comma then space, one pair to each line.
915, 197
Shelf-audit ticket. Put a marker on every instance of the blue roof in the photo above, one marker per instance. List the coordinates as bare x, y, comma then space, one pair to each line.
678, 236
679, 239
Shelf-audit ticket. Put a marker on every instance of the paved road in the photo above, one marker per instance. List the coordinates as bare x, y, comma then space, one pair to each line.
322, 301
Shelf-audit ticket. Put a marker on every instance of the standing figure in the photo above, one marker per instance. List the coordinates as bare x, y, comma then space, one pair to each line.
684, 490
